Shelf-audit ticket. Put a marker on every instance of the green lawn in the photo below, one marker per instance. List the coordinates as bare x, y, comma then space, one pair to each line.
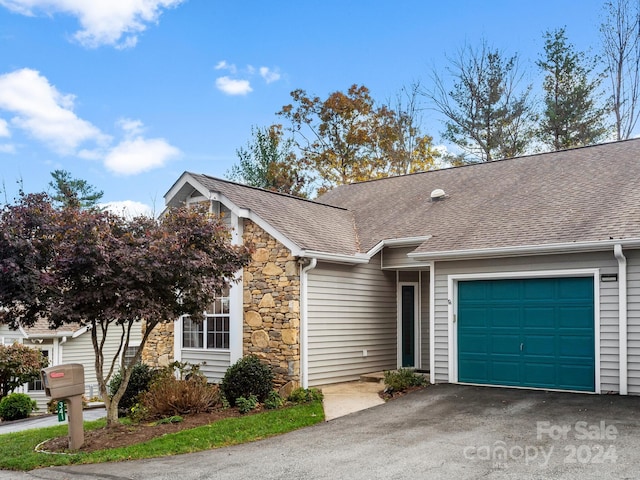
18, 448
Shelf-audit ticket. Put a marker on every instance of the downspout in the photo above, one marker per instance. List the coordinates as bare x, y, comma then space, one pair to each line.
622, 314
304, 323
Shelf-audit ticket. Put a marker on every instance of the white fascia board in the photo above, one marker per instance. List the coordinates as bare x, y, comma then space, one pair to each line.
523, 250
358, 258
397, 242
181, 182
77, 333
241, 212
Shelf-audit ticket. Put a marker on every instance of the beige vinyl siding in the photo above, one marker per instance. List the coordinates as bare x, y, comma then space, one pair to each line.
633, 320
605, 261
213, 363
396, 257
350, 309
8, 336
80, 350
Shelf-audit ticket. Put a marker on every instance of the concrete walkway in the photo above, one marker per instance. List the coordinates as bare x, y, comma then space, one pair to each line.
344, 398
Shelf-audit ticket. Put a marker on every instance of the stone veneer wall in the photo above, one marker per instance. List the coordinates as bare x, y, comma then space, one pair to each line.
271, 301
158, 351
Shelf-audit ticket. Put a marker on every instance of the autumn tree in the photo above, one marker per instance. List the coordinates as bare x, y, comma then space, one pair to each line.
72, 192
19, 364
346, 137
268, 161
96, 269
408, 150
573, 114
488, 114
621, 51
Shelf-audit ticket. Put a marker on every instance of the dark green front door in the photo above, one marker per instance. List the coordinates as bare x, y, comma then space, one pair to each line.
527, 332
408, 325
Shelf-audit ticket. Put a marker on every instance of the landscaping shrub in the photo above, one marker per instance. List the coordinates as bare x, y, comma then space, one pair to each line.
141, 377
245, 405
273, 400
169, 396
247, 377
16, 406
305, 395
402, 379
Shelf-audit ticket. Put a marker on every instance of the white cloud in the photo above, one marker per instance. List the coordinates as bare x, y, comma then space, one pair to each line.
131, 127
223, 65
128, 208
232, 86
44, 113
269, 75
104, 22
7, 148
4, 128
136, 154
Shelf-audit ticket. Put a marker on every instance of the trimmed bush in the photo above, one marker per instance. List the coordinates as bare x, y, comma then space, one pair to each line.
16, 406
248, 376
141, 377
402, 379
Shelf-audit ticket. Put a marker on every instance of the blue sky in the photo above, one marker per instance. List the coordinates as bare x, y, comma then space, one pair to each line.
128, 94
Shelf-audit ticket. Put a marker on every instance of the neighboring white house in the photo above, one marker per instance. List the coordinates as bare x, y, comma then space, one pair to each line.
523, 272
69, 344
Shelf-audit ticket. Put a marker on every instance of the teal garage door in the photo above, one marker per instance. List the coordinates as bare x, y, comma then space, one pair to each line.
535, 333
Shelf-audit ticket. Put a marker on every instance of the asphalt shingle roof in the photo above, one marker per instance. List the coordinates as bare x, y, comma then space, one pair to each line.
310, 225
583, 194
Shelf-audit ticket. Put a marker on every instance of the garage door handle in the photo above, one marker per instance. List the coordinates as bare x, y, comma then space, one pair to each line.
521, 346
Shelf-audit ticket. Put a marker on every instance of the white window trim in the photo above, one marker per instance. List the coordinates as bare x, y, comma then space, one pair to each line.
452, 300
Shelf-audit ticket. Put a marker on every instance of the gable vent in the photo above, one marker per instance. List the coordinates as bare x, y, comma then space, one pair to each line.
437, 194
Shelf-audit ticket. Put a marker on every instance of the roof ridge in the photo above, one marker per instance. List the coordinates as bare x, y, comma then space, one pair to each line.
500, 160
286, 195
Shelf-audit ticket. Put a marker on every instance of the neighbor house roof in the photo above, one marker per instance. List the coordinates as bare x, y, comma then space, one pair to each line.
579, 195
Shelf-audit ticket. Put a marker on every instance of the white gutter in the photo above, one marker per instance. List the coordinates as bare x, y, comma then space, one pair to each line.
304, 324
524, 250
622, 316
334, 257
397, 242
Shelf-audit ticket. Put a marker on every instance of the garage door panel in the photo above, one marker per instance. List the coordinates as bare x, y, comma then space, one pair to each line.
503, 317
575, 377
540, 345
527, 332
576, 317
504, 371
536, 374
504, 344
537, 316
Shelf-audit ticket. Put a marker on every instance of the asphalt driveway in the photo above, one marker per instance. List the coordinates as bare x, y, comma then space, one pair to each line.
443, 432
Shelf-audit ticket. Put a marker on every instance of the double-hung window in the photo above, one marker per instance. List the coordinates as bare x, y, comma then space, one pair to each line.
213, 331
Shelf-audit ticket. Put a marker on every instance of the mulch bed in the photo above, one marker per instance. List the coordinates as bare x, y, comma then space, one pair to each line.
124, 435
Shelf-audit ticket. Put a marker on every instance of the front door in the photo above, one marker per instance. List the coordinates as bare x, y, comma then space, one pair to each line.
408, 323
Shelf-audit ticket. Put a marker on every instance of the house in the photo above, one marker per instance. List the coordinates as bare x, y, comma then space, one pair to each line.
522, 272
69, 344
